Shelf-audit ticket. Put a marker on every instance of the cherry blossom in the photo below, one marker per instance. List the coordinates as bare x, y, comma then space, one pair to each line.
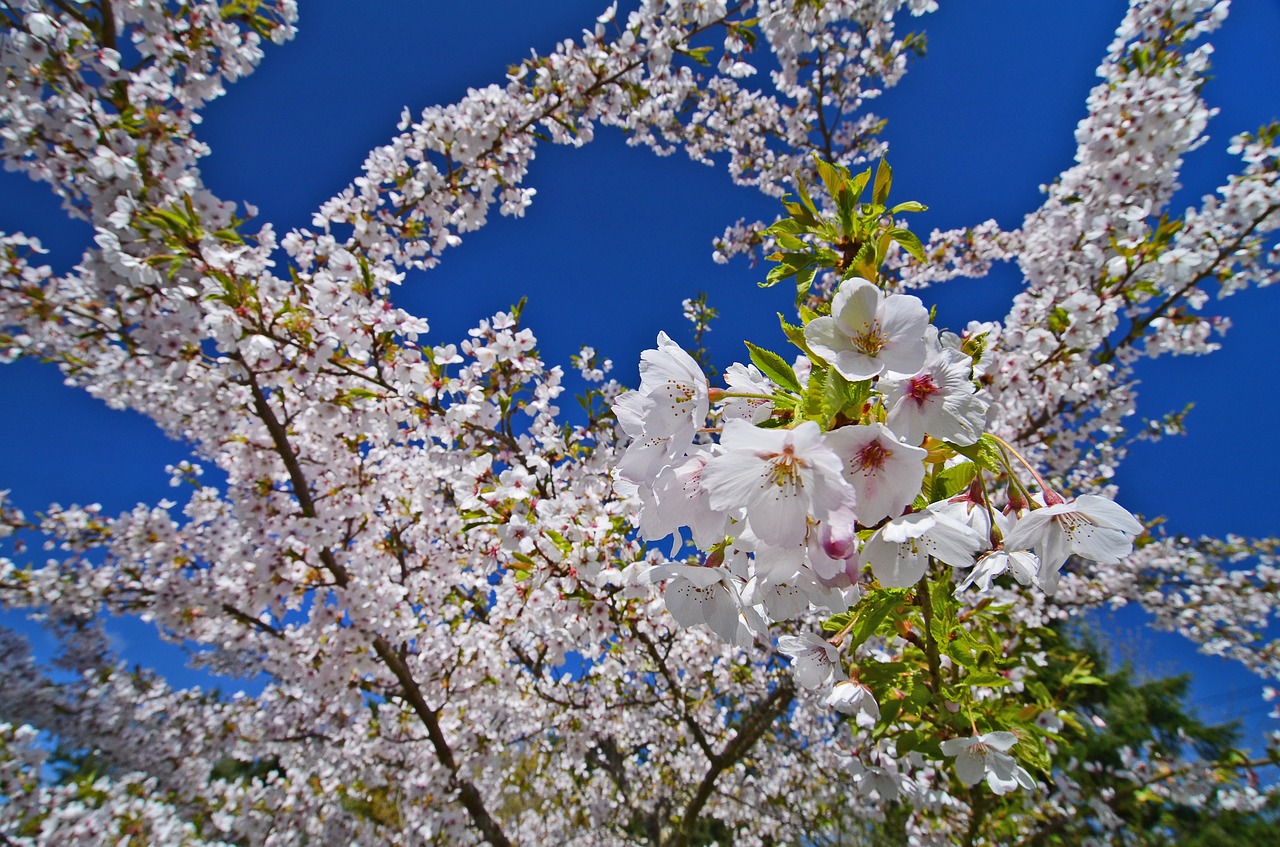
776, 478
884, 472
815, 660
867, 332
939, 400
851, 698
702, 596
437, 575
986, 757
899, 551
1089, 526
747, 380
1024, 566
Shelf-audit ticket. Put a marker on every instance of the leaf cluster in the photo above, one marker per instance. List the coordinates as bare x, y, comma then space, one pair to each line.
852, 239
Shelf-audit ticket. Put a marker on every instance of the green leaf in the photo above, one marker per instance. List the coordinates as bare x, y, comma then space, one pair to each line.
1059, 320
985, 678
790, 241
826, 257
985, 452
776, 274
909, 206
953, 480
837, 622
815, 393
794, 334
834, 178
804, 280
773, 366
788, 225
871, 612
884, 179
858, 184
909, 241
812, 216
835, 398
698, 54
846, 206
858, 393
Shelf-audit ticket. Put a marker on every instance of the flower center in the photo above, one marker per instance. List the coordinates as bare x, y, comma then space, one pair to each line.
870, 341
1072, 522
784, 470
873, 456
679, 392
922, 388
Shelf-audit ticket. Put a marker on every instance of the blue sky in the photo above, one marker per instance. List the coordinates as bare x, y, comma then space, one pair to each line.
617, 237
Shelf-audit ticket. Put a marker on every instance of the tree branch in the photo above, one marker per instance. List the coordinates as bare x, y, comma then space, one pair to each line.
410, 690
758, 719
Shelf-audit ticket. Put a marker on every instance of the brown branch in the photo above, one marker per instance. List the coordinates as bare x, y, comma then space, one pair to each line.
758, 719
694, 729
395, 662
251, 621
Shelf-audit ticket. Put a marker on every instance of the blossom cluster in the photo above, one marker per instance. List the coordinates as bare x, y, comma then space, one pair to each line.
461, 638
789, 512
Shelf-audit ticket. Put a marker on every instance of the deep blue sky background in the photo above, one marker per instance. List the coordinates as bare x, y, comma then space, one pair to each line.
617, 237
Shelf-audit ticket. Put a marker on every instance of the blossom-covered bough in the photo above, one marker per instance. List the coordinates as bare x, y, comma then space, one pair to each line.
445, 582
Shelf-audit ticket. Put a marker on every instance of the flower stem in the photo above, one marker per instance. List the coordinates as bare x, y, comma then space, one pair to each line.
931, 645
1044, 486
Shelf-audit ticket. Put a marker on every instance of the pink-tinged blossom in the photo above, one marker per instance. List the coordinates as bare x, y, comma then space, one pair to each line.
883, 471
813, 658
868, 333
899, 551
1089, 526
854, 698
986, 756
833, 549
940, 399
778, 478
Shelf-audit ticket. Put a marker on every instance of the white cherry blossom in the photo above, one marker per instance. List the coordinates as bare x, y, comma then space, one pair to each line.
854, 698
777, 478
868, 333
884, 472
747, 379
986, 757
899, 551
1090, 526
815, 660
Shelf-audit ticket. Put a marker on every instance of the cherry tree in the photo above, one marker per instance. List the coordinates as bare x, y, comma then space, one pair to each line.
449, 583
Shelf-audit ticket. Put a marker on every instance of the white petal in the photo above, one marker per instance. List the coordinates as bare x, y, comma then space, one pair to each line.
1101, 544
856, 305
1001, 740
970, 767
895, 565
1108, 513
